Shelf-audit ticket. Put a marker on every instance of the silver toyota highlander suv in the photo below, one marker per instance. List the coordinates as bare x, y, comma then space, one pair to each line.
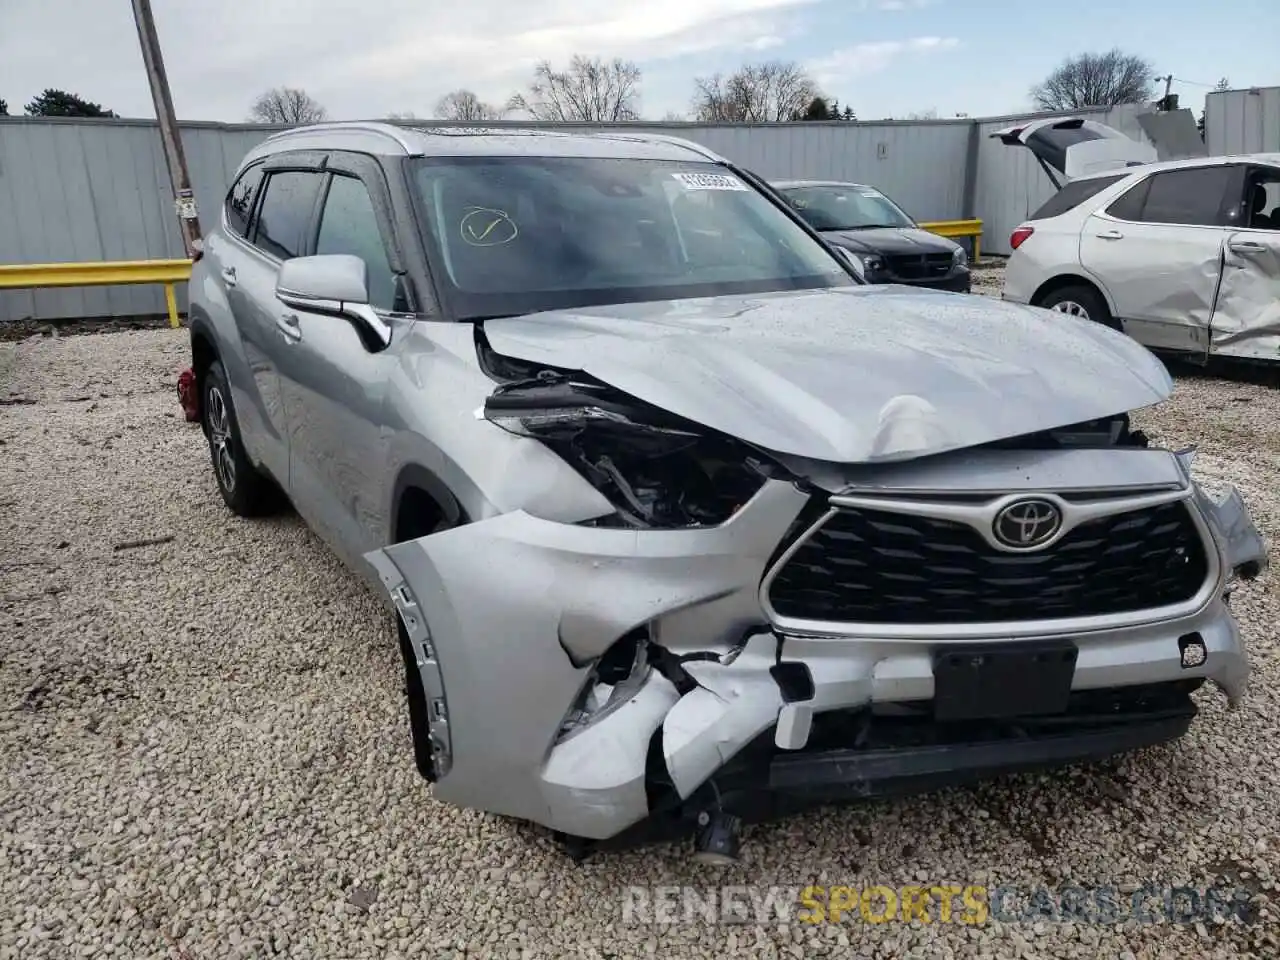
683, 524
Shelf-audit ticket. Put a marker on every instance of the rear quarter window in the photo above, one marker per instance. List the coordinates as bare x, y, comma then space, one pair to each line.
240, 198
1073, 194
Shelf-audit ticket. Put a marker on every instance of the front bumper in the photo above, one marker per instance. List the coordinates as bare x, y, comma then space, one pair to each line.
958, 281
507, 617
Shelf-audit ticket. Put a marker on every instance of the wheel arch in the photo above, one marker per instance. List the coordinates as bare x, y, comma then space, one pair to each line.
204, 347
1062, 280
421, 503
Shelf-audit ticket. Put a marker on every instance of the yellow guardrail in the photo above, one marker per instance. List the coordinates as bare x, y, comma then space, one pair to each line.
958, 228
108, 273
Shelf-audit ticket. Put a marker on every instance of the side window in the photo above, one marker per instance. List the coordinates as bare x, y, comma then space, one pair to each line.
349, 225
285, 212
1072, 195
1192, 196
1129, 206
240, 197
1261, 209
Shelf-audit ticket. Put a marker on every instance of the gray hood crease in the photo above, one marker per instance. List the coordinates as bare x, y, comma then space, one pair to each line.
849, 375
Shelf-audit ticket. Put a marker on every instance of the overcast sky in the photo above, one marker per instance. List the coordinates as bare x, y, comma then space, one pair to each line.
366, 58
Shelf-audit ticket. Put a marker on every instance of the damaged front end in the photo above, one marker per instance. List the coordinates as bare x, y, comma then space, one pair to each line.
746, 633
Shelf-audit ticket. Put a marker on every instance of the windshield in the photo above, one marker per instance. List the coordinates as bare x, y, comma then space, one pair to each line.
522, 234
846, 207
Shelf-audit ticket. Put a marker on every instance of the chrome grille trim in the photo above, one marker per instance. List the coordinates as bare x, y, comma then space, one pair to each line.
979, 516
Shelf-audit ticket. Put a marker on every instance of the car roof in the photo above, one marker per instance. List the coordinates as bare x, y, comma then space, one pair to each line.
1272, 159
789, 184
427, 140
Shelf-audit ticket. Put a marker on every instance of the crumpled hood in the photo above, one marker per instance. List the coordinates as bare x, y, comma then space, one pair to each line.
850, 375
889, 241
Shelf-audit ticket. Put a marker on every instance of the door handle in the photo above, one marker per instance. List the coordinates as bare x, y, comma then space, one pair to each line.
1110, 235
288, 325
1245, 246
229, 276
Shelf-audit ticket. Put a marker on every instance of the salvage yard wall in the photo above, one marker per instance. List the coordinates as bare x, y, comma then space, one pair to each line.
98, 189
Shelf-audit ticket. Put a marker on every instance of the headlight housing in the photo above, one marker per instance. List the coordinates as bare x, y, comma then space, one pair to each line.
958, 257
659, 471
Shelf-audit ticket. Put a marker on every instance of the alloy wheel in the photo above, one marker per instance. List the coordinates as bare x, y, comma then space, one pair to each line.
219, 420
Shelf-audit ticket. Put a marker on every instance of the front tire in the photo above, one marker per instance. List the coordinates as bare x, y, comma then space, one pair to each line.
1081, 301
245, 490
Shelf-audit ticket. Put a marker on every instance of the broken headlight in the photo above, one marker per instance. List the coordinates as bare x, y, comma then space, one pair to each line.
657, 470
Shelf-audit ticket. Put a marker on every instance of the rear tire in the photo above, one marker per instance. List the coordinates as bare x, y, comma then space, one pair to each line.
245, 490
1079, 300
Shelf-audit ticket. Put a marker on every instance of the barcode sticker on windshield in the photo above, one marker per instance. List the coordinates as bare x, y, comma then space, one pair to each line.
709, 181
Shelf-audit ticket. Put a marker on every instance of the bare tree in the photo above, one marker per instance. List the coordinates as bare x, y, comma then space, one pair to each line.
465, 105
756, 93
1096, 80
287, 105
592, 89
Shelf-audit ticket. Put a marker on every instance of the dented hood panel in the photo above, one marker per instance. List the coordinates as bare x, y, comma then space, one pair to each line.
850, 375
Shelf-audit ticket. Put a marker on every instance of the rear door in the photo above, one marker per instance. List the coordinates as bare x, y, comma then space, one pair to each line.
1071, 147
1246, 317
282, 213
1156, 250
256, 398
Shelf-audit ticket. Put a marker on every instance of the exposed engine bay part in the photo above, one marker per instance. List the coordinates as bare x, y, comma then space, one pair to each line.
1101, 433
658, 470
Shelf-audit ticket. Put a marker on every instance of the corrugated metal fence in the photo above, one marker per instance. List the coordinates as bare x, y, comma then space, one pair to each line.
1243, 121
99, 189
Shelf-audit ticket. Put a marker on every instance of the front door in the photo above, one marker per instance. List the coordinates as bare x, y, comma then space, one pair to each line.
334, 379
1157, 252
1246, 318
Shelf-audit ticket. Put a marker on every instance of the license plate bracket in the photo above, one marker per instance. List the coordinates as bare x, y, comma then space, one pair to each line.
998, 681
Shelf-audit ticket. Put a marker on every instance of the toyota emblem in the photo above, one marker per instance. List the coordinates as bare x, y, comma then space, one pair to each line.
1027, 524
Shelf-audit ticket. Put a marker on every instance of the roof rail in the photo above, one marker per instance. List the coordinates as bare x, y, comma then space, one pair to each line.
682, 142
385, 129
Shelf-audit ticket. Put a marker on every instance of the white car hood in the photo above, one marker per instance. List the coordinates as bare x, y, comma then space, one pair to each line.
850, 375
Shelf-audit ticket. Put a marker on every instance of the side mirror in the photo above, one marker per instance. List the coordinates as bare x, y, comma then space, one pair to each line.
334, 285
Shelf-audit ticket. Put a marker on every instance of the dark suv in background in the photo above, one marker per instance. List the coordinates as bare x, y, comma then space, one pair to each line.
887, 244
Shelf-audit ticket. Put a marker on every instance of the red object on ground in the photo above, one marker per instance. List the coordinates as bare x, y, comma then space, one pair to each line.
187, 395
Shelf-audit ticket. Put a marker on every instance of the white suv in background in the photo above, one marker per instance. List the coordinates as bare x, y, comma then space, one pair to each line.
1182, 256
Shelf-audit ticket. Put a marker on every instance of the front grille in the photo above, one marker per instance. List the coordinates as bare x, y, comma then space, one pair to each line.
919, 266
870, 566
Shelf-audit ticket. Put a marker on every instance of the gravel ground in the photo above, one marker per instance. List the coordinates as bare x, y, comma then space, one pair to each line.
205, 750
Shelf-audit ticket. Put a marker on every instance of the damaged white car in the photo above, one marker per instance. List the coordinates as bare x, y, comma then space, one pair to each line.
684, 525
1184, 256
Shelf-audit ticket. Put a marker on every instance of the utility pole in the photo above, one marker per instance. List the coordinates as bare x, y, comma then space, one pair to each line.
184, 197
1168, 82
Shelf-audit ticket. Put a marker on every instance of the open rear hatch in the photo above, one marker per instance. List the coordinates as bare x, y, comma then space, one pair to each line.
1070, 147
